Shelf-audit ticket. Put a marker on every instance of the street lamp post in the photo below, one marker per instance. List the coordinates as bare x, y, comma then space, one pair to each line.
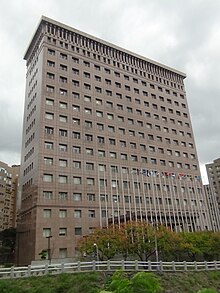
156, 245
48, 248
97, 253
156, 249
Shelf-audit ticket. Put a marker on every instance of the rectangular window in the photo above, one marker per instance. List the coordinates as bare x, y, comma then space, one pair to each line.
76, 135
88, 137
49, 102
48, 161
51, 52
91, 197
112, 155
63, 118
91, 213
89, 151
78, 231
47, 194
77, 214
77, 196
46, 232
50, 75
63, 132
76, 150
75, 95
47, 213
99, 114
77, 180
63, 92
77, 164
90, 181
49, 130
63, 67
62, 213
62, 196
63, 105
63, 147
50, 63
90, 166
62, 231
101, 153
62, 163
48, 178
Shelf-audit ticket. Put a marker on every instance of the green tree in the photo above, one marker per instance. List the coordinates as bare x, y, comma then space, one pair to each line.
107, 242
43, 254
199, 244
7, 249
139, 239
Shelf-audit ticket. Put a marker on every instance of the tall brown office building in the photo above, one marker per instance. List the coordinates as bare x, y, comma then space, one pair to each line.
107, 138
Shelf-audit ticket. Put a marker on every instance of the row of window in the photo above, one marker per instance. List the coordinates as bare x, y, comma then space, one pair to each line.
130, 110
98, 102
90, 166
116, 84
78, 180
108, 92
122, 143
122, 156
110, 128
49, 131
111, 105
151, 68
62, 231
78, 197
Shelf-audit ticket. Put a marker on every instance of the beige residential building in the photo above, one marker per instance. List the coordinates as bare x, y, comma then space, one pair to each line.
8, 195
107, 138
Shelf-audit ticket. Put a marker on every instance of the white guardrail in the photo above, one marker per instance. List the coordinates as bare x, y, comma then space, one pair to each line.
110, 265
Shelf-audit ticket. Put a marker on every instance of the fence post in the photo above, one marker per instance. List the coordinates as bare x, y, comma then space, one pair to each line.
149, 266
29, 271
12, 272
93, 265
215, 264
108, 265
123, 265
62, 267
161, 266
173, 266
46, 269
195, 266
185, 266
136, 265
79, 266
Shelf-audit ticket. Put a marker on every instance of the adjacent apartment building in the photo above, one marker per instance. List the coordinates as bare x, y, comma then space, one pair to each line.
8, 195
107, 138
213, 171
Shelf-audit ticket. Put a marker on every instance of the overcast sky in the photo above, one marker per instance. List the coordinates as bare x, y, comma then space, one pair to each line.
181, 34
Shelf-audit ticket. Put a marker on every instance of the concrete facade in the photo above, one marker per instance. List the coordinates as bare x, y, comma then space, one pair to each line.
107, 138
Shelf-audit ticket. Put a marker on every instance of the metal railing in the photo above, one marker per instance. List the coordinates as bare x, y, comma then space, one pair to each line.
110, 266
